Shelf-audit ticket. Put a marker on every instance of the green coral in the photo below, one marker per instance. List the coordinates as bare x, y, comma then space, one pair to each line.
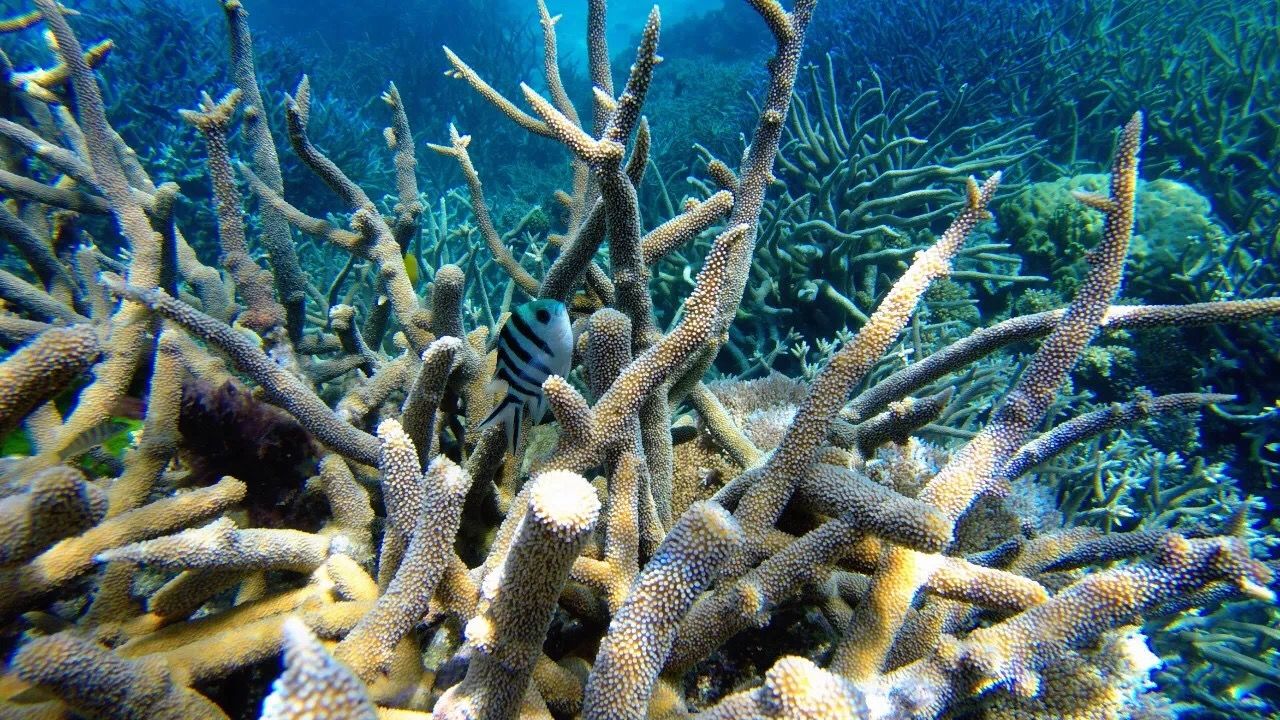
1175, 235
1106, 362
1035, 300
948, 301
1051, 229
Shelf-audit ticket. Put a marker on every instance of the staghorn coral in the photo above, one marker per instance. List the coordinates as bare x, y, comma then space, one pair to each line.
56, 504
611, 568
43, 368
96, 681
868, 177
314, 684
643, 629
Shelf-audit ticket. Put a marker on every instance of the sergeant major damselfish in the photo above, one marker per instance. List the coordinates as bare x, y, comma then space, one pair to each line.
535, 343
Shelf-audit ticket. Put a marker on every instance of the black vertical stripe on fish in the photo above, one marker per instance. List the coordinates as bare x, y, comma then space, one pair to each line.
506, 402
534, 371
510, 413
517, 427
517, 323
535, 343
524, 356
518, 382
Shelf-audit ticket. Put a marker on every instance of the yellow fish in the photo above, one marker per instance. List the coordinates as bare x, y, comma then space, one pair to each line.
411, 267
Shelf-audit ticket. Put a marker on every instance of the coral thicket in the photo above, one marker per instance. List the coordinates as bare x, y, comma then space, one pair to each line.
899, 533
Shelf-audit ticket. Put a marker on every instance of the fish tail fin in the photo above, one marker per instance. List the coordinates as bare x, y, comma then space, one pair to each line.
508, 415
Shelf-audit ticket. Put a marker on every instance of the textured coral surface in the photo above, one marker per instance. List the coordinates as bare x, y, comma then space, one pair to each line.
243, 481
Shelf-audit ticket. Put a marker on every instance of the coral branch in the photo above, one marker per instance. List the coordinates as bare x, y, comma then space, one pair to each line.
98, 682
644, 628
290, 281
764, 502
212, 120
368, 647
1097, 422
314, 684
43, 368
506, 637
284, 388
74, 556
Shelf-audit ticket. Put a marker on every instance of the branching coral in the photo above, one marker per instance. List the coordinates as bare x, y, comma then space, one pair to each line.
863, 188
618, 565
40, 370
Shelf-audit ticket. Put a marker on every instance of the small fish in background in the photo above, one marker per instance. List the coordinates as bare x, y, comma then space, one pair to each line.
411, 267
100, 434
535, 342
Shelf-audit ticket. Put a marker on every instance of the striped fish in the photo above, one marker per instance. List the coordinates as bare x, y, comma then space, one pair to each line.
535, 342
95, 436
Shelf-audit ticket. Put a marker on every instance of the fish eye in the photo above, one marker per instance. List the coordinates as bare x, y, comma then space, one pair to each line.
543, 316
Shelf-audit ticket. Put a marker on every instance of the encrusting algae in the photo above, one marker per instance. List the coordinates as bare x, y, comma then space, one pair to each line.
600, 567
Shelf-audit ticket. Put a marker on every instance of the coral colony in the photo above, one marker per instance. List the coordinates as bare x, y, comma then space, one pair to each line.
228, 467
